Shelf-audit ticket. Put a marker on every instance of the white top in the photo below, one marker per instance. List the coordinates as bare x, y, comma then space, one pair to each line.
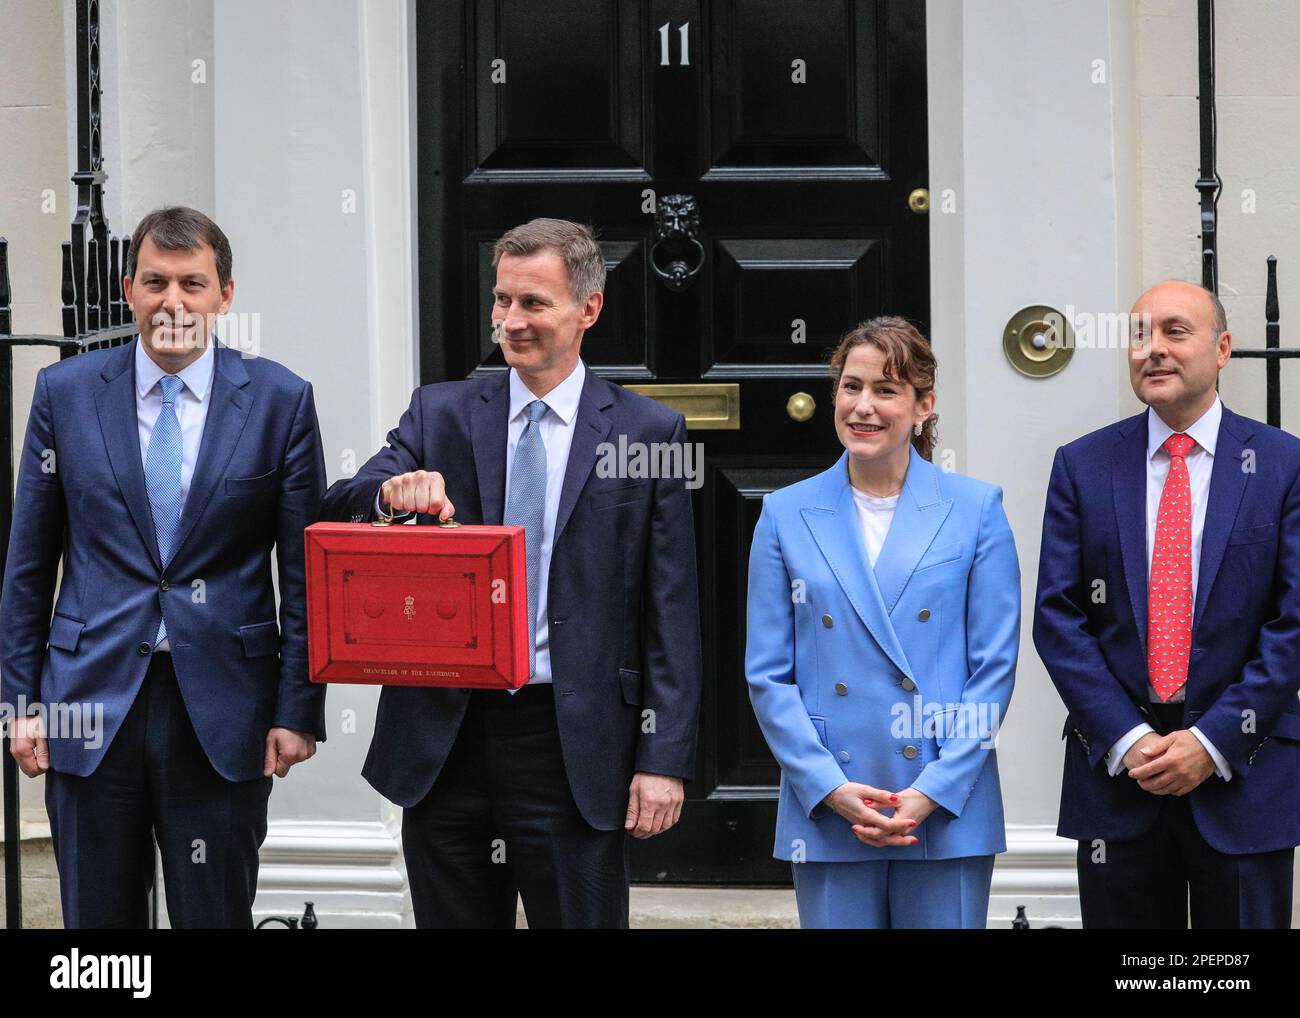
191, 411
874, 516
1200, 465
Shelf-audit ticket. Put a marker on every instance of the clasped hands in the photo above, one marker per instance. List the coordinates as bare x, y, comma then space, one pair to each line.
866, 809
1172, 764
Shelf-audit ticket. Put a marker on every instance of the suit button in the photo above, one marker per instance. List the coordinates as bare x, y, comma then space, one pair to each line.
841, 689
924, 615
145, 648
909, 752
827, 621
908, 685
163, 585
844, 755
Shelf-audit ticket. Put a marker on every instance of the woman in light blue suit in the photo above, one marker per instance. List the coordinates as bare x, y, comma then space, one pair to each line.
884, 622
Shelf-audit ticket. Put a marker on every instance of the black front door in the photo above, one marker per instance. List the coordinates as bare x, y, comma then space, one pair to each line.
793, 132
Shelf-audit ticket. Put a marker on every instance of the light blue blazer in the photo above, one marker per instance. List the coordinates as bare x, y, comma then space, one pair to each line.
892, 677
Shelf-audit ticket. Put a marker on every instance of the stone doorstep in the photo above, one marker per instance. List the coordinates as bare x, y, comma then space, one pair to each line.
41, 908
714, 908
652, 907
28, 830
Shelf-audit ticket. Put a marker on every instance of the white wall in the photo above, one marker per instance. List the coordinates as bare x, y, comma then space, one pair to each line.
1032, 151
313, 185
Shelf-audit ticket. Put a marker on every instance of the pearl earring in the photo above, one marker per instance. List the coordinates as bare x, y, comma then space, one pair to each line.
917, 429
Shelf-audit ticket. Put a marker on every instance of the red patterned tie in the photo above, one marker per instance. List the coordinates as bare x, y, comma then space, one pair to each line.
1169, 636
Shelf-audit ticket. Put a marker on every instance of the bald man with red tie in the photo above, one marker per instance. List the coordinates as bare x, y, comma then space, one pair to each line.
1168, 616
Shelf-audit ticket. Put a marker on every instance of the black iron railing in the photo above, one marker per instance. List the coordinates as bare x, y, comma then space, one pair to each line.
95, 315
1209, 185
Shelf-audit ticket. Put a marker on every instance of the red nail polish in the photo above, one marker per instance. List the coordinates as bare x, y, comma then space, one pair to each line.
912, 822
868, 802
893, 798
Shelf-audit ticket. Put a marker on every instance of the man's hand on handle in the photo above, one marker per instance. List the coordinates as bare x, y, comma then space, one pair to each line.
421, 491
654, 804
28, 745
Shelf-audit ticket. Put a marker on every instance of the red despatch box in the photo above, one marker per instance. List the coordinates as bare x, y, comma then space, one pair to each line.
417, 605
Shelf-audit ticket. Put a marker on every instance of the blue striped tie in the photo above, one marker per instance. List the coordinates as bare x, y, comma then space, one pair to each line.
526, 507
162, 475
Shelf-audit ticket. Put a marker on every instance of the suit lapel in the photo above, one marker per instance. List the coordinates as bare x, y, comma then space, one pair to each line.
115, 406
1129, 489
1227, 486
834, 526
920, 513
489, 427
589, 430
489, 420
227, 415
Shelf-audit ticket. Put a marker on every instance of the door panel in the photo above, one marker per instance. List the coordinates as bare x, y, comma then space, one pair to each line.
557, 87
767, 290
762, 117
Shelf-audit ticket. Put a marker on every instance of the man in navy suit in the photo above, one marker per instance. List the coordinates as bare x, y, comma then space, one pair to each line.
1168, 616
162, 473
530, 793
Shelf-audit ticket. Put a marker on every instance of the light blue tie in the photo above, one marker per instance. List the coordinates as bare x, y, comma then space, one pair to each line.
162, 475
526, 507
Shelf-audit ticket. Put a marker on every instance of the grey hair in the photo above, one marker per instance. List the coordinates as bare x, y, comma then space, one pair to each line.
178, 228
1220, 316
573, 242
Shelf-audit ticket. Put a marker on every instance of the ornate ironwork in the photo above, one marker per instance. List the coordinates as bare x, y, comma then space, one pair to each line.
1272, 354
1208, 183
94, 315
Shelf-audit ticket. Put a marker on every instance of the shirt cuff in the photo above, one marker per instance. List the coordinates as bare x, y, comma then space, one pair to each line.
1115, 758
1221, 766
380, 512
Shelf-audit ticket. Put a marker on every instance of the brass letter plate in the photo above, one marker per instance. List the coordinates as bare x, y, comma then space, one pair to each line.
705, 405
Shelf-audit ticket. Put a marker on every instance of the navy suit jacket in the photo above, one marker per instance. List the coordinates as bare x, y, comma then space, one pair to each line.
1244, 668
623, 597
257, 482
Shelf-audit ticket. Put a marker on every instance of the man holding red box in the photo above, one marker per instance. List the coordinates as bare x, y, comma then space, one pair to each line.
532, 791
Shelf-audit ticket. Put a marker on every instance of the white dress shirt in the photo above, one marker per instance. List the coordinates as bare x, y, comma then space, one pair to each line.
1200, 465
191, 411
557, 436
557, 427
874, 516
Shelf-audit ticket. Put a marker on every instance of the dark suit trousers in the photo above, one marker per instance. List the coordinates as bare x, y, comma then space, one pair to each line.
155, 782
501, 820
1145, 883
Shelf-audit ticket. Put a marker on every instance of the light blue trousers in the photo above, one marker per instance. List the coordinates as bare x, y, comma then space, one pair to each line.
894, 894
